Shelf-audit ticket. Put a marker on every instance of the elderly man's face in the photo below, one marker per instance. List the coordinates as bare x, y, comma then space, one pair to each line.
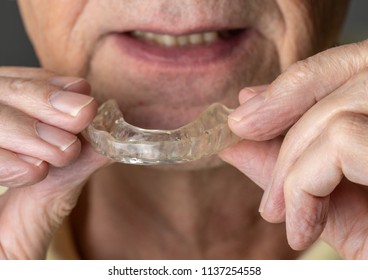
201, 51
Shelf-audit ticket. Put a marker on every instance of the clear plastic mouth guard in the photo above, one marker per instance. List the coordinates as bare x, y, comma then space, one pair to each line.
113, 137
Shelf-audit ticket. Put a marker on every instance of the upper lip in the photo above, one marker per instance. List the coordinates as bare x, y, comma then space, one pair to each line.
184, 31
168, 17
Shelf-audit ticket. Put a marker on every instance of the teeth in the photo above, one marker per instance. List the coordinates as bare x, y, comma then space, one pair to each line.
196, 39
166, 40
147, 35
182, 40
139, 34
210, 37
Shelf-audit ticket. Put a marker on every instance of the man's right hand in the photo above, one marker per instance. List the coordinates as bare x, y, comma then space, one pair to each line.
42, 161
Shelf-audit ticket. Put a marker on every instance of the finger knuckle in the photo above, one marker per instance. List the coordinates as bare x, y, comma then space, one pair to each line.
361, 51
20, 86
356, 88
28, 86
16, 85
343, 127
300, 71
26, 93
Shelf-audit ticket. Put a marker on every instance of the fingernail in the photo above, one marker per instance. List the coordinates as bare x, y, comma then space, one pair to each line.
31, 160
69, 102
264, 199
249, 92
247, 108
65, 82
263, 202
55, 136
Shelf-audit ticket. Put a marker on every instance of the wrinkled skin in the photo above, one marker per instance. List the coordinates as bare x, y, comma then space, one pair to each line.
70, 43
195, 211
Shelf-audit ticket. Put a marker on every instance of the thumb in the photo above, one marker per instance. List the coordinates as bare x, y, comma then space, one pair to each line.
295, 91
255, 159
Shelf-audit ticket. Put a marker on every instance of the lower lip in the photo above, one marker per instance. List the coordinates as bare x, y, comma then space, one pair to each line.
190, 55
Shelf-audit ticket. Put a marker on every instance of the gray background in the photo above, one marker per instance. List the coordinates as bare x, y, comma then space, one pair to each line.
16, 50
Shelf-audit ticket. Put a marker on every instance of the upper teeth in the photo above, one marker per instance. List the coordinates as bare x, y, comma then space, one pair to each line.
182, 40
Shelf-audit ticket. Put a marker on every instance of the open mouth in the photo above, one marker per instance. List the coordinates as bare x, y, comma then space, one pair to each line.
193, 39
183, 49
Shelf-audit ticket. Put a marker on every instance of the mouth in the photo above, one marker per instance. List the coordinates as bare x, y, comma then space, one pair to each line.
193, 39
183, 49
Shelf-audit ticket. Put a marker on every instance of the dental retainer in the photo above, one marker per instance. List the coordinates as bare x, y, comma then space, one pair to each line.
113, 137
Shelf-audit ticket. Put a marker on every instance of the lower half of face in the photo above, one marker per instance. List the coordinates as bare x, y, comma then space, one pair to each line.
165, 61
159, 86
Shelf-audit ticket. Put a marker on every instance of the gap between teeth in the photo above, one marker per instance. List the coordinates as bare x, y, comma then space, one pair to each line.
182, 40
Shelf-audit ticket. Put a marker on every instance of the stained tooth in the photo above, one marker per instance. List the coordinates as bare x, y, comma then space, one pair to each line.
196, 39
183, 40
138, 33
158, 39
210, 37
149, 35
168, 40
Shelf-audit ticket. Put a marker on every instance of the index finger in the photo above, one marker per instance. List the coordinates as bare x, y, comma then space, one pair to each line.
306, 82
60, 101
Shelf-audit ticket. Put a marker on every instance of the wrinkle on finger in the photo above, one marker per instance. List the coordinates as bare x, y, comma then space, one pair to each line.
336, 123
30, 73
306, 217
295, 91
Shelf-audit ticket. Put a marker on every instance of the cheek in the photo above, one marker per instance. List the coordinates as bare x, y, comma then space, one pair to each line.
51, 27
310, 27
297, 40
